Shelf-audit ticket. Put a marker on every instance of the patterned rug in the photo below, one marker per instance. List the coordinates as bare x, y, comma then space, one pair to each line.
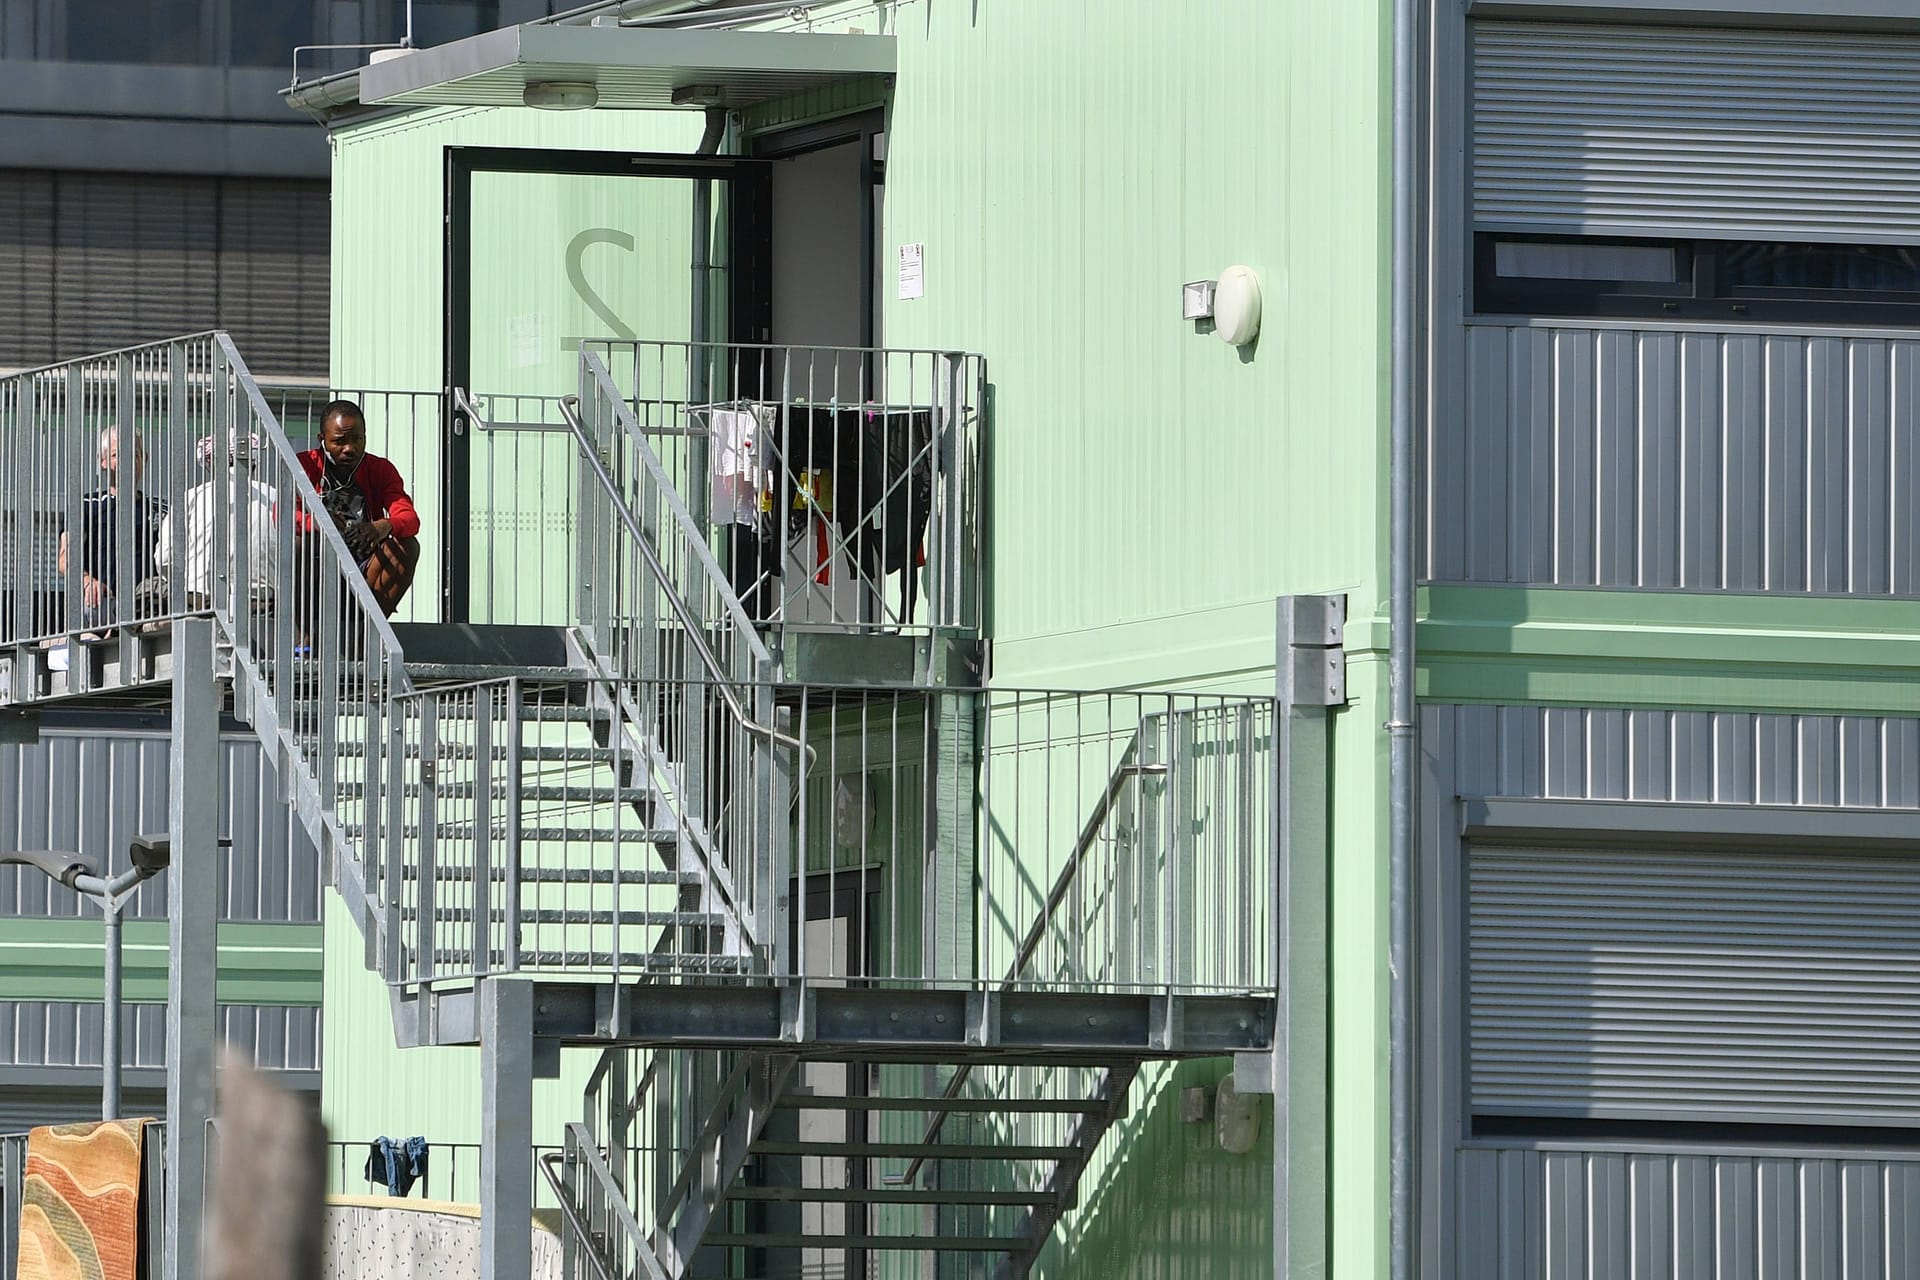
80, 1209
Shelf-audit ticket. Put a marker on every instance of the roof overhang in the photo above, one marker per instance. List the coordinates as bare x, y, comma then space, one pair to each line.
630, 67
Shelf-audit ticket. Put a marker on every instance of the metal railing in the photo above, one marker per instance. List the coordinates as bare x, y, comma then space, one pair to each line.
541, 833
1117, 841
603, 1238
843, 485
219, 518
452, 1173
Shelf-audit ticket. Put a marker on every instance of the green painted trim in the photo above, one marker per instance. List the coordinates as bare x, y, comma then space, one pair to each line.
266, 964
1669, 649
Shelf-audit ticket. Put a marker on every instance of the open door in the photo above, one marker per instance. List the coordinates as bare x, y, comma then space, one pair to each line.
546, 249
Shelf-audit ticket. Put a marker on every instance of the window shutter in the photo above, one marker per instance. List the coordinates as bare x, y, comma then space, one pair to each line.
1798, 136
1723, 986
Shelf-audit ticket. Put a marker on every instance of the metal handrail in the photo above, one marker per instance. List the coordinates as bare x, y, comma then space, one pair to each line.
309, 497
574, 1222
596, 1166
722, 681
1038, 930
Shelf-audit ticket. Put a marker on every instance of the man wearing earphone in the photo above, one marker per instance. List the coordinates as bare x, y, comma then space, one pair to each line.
367, 500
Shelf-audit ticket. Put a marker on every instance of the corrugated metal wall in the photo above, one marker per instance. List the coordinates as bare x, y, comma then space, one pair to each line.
1591, 1208
59, 1033
1746, 134
1723, 757
1587, 1215
94, 788
1624, 456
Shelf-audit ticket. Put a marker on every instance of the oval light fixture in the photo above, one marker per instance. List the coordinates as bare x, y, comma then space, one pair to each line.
1236, 306
560, 95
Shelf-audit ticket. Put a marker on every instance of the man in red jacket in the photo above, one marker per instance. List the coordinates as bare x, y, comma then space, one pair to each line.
368, 502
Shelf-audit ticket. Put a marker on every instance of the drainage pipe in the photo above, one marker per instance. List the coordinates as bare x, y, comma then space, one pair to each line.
1400, 623
699, 361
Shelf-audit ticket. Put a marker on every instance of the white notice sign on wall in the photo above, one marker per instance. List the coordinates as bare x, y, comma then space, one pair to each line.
913, 282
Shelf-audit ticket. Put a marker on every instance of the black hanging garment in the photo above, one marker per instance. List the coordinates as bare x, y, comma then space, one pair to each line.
883, 508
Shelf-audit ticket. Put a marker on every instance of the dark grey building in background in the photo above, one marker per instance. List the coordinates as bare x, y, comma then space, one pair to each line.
153, 182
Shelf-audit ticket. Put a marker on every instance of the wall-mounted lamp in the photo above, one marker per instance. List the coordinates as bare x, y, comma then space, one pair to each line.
1236, 306
560, 95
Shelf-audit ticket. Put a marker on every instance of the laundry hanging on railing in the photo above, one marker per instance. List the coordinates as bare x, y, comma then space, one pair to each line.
877, 463
396, 1163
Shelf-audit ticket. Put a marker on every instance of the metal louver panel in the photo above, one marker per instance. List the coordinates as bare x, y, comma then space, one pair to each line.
1719, 134
1729, 986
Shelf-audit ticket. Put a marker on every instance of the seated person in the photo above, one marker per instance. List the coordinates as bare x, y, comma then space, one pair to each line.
100, 535
367, 501
263, 549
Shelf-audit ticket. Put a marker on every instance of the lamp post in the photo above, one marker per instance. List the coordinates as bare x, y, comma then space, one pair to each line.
80, 873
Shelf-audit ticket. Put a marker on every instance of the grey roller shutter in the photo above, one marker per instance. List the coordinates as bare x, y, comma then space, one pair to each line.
22, 1109
94, 261
1673, 985
1672, 131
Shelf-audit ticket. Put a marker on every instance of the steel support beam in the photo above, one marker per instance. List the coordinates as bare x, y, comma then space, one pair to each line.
193, 881
506, 1128
1310, 680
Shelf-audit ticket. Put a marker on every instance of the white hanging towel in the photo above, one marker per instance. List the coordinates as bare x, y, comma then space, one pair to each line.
733, 466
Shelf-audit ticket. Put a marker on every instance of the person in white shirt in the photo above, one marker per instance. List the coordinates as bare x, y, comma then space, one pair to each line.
200, 512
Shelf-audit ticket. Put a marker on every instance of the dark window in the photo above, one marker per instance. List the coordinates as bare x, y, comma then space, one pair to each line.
134, 31
441, 21
1696, 279
266, 31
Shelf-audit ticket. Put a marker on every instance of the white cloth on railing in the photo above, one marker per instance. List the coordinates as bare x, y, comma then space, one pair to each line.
263, 546
734, 468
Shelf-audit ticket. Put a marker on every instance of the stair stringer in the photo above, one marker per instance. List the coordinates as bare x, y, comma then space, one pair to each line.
715, 1162
1064, 1185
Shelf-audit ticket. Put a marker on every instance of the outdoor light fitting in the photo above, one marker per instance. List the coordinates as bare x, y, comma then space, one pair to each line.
699, 95
63, 866
560, 95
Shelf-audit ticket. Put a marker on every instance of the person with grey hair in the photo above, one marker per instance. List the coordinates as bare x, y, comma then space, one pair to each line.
100, 533
199, 511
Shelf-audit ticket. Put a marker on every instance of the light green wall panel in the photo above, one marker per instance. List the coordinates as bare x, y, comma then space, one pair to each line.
1068, 166
370, 1088
1669, 649
272, 964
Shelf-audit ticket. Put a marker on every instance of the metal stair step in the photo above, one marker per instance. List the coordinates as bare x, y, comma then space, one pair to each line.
562, 875
891, 1244
988, 1106
562, 915
551, 754
532, 835
875, 1195
644, 961
913, 1150
587, 794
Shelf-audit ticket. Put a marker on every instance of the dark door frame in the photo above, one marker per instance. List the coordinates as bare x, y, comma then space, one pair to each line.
861, 127
747, 180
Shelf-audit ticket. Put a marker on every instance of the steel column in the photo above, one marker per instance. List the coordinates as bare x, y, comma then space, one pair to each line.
193, 881
506, 1127
110, 1016
1310, 679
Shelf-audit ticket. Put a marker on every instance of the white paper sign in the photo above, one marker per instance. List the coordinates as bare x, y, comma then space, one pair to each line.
912, 266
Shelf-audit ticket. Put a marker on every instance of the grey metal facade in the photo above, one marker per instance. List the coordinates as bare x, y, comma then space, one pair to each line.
1639, 455
1661, 131
93, 786
60, 1033
1743, 1205
1550, 1213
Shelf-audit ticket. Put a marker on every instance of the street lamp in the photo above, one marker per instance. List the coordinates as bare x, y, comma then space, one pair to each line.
81, 874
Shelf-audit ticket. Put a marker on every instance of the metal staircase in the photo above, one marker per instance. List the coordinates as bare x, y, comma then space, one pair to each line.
874, 964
